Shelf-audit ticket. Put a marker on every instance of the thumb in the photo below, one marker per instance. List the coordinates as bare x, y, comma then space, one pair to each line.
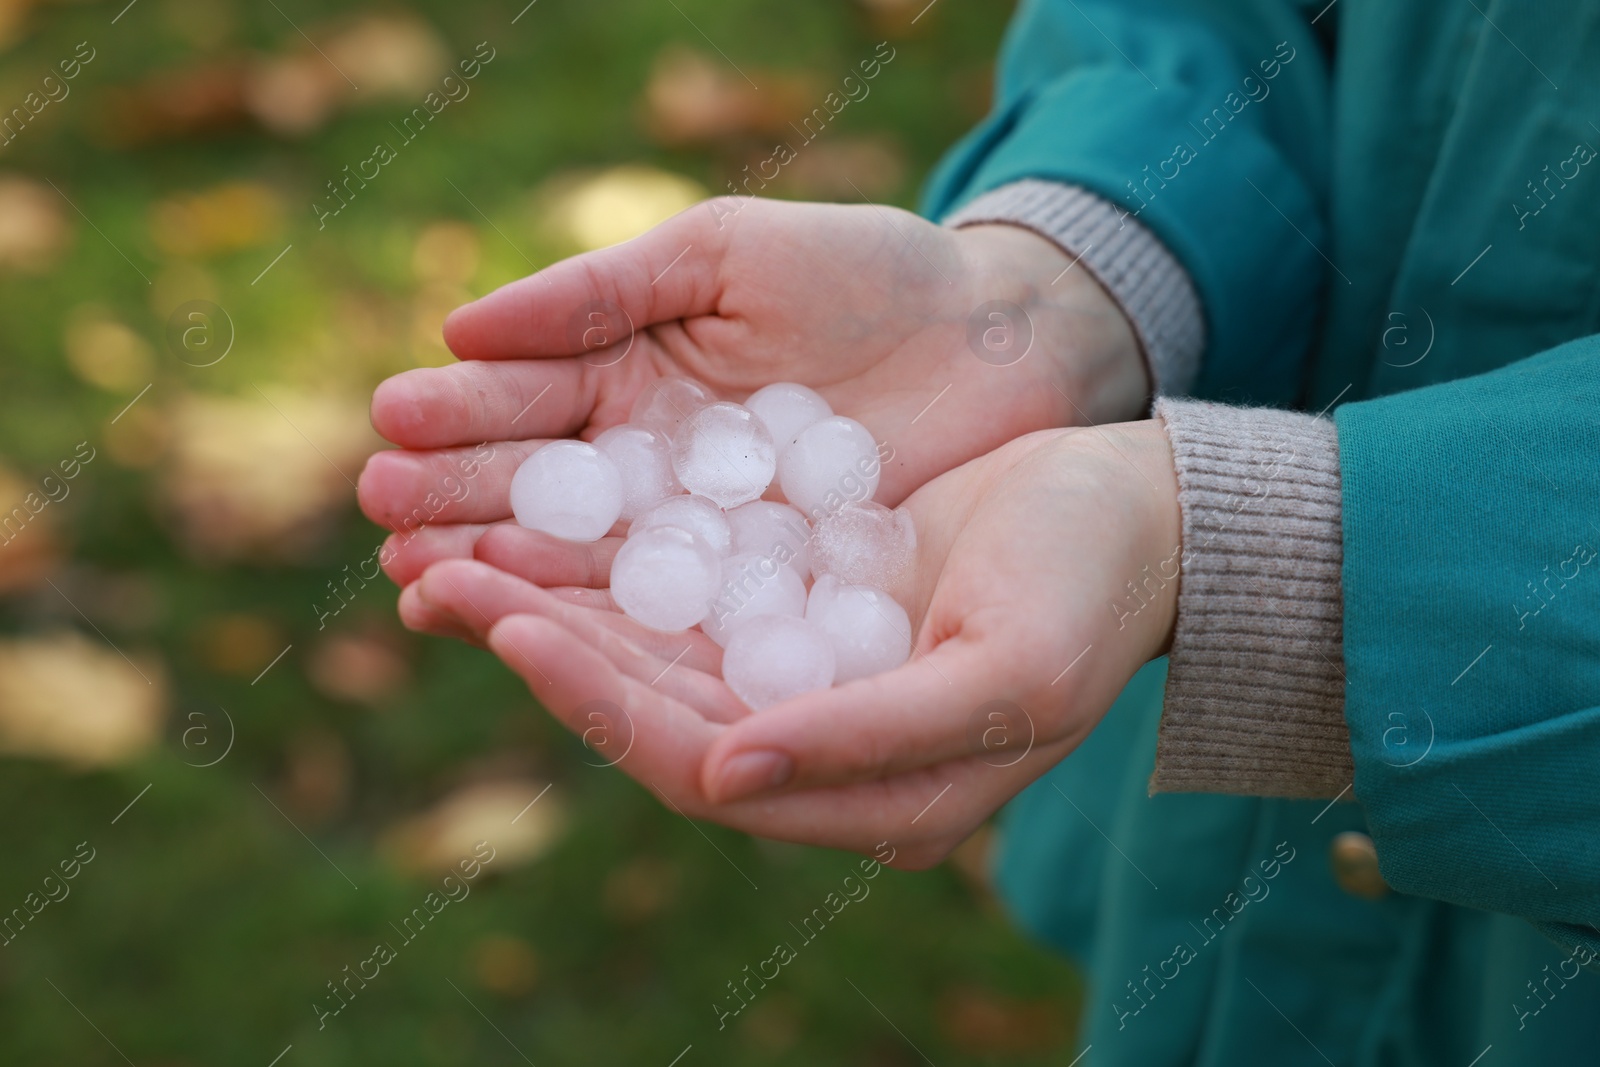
598, 299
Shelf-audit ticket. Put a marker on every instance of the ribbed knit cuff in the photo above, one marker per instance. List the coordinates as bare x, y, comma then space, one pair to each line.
1255, 682
1145, 279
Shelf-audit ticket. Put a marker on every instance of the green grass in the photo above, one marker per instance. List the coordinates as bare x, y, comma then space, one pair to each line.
206, 925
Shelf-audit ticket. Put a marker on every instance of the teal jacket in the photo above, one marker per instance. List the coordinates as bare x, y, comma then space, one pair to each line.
1392, 209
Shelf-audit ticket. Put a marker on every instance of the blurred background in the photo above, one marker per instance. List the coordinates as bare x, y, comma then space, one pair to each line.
202, 686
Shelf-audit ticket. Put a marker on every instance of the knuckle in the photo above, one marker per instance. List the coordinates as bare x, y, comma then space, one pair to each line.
591, 569
873, 755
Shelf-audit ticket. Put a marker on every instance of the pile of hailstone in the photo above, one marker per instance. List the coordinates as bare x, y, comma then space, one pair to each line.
688, 472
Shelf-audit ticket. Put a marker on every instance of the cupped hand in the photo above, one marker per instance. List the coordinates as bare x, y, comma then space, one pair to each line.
1026, 631
868, 305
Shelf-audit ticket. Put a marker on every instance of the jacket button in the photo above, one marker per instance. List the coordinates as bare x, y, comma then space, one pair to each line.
1354, 859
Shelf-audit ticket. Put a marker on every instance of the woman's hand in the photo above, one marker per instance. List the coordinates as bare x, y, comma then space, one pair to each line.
1026, 632
869, 305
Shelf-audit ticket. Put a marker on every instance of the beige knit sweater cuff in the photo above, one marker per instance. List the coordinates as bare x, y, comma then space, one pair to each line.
1146, 280
1255, 682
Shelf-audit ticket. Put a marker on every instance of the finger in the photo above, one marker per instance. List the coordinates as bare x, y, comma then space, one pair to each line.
419, 615
406, 555
476, 596
594, 599
662, 740
913, 716
405, 490
702, 654
546, 560
464, 403
473, 595
545, 314
684, 666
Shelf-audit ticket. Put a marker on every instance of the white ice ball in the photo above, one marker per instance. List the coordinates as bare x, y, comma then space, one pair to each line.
644, 459
773, 529
870, 632
775, 657
865, 544
725, 454
752, 585
786, 408
569, 489
665, 403
828, 463
822, 592
665, 577
693, 513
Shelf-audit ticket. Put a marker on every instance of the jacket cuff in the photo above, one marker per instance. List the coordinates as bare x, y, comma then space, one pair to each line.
1146, 280
1255, 682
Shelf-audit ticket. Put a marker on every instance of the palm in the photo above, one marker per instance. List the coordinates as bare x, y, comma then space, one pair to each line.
866, 304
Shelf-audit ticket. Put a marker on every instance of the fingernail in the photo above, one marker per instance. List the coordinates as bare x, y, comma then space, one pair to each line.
753, 772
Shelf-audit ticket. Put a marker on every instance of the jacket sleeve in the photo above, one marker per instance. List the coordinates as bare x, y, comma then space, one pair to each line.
1472, 636
1207, 120
1406, 600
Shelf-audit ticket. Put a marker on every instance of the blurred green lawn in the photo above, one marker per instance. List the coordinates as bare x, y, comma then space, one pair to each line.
207, 924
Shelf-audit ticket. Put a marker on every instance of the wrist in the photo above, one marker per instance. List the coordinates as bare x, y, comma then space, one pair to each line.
1082, 342
1151, 588
1136, 569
